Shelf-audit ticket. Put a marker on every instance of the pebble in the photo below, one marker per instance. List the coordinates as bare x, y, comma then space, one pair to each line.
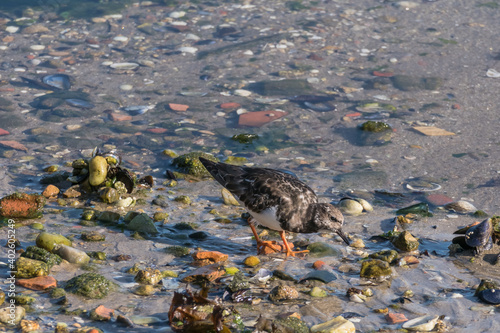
120, 39
37, 47
177, 14
188, 49
124, 65
12, 29
126, 87
242, 92
492, 73
336, 325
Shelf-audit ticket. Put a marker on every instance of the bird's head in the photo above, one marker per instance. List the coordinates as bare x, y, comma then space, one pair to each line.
330, 218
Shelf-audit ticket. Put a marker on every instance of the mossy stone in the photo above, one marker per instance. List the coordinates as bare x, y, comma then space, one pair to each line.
375, 126
93, 236
385, 255
109, 195
251, 261
184, 199
142, 223
375, 268
38, 253
190, 164
48, 241
244, 138
108, 217
57, 293
160, 216
91, 285
239, 282
318, 292
287, 87
177, 250
148, 276
320, 249
144, 290
406, 242
22, 299
28, 268
290, 324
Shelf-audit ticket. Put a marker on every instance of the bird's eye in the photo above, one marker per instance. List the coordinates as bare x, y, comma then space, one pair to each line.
332, 218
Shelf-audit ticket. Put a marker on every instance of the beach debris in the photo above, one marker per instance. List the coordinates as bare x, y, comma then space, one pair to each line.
38, 283
432, 131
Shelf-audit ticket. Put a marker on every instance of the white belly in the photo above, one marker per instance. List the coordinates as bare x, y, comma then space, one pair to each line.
267, 218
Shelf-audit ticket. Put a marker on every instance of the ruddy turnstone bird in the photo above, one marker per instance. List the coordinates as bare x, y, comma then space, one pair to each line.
277, 200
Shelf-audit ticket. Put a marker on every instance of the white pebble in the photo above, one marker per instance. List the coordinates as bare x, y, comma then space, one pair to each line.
19, 69
242, 92
126, 87
120, 39
177, 14
192, 37
220, 114
124, 65
37, 47
3, 47
407, 4
188, 49
248, 53
12, 29
73, 127
393, 60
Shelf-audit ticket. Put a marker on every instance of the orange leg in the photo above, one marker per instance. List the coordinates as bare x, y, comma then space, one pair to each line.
261, 245
289, 251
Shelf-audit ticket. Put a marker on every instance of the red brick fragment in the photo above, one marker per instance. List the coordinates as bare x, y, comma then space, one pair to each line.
3, 132
395, 318
230, 105
178, 107
157, 130
259, 118
38, 283
213, 256
119, 117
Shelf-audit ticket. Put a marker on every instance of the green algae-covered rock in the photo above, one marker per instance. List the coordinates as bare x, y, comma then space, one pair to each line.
91, 285
320, 249
28, 268
184, 199
108, 217
385, 255
22, 299
287, 87
148, 276
177, 250
57, 293
375, 126
48, 241
38, 253
93, 236
190, 164
109, 195
239, 282
142, 223
375, 268
160, 216
290, 324
244, 138
406, 242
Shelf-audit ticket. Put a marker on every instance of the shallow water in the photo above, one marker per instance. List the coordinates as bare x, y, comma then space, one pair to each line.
338, 48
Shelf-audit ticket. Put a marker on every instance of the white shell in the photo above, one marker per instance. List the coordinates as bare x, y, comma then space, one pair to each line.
492, 73
124, 65
461, 206
422, 324
242, 92
366, 205
188, 49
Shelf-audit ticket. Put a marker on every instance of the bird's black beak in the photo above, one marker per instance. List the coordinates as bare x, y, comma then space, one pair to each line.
343, 236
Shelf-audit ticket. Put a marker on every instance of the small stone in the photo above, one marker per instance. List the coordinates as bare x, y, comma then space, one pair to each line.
318, 292
37, 47
91, 285
178, 107
12, 316
259, 118
232, 270
318, 264
148, 276
126, 87
375, 268
183, 199
29, 268
406, 242
72, 192
35, 28
48, 241
210, 256
101, 313
109, 195
282, 292
93, 236
357, 243
242, 92
119, 117
230, 105
395, 318
320, 249
228, 198
142, 223
144, 290
251, 261
336, 325
50, 191
29, 326
74, 256
38, 283
204, 274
